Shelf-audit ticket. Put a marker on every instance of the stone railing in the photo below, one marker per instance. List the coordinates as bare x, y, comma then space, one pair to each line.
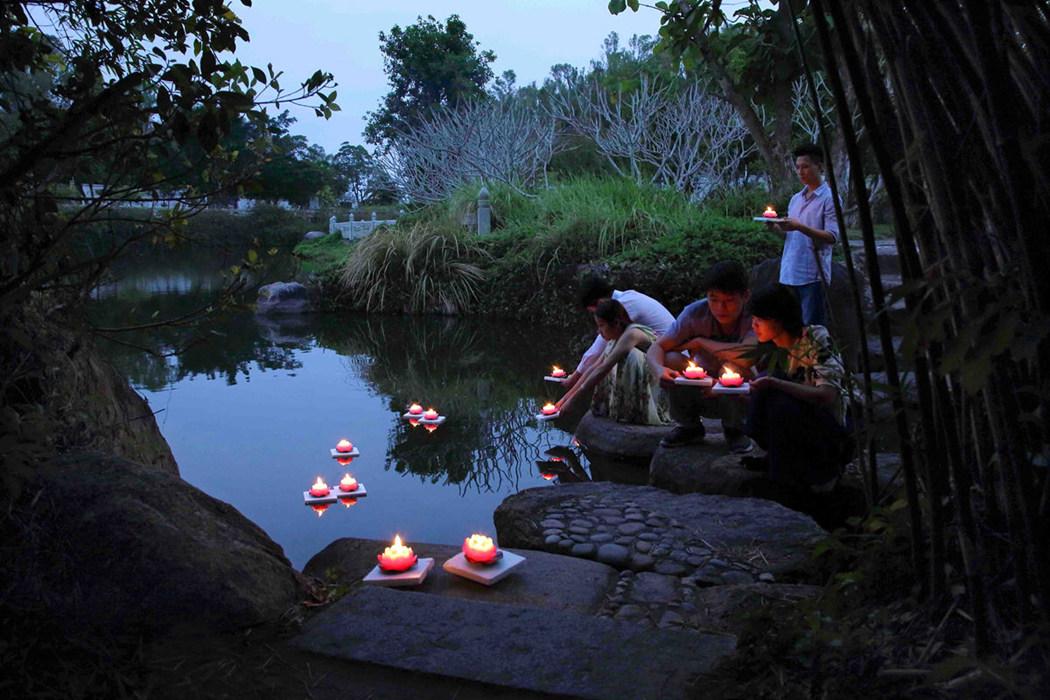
358, 229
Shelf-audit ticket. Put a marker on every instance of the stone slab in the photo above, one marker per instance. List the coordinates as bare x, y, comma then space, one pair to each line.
619, 440
744, 388
556, 380
511, 646
487, 575
545, 417
548, 581
336, 454
318, 500
359, 492
413, 577
436, 421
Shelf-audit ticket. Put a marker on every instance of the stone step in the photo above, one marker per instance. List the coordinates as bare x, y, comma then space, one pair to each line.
643, 528
546, 651
889, 261
875, 354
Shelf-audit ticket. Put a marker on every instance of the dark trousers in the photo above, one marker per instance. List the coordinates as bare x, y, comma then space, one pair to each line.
805, 443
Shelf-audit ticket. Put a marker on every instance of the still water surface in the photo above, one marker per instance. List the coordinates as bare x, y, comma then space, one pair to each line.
252, 405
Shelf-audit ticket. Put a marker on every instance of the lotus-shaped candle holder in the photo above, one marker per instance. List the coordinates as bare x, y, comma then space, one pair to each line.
397, 558
479, 549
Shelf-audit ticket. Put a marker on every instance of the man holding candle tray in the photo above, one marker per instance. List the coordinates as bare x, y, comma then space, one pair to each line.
712, 332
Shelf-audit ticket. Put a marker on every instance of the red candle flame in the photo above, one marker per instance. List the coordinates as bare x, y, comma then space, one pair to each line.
480, 549
694, 372
344, 445
730, 378
430, 414
348, 501
415, 409
348, 483
548, 475
770, 212
549, 409
319, 489
557, 371
397, 557
319, 508
431, 427
344, 460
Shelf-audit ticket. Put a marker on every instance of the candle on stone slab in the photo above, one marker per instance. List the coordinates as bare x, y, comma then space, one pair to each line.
557, 372
730, 378
319, 489
770, 212
549, 409
348, 483
397, 557
430, 414
344, 445
692, 371
415, 409
480, 549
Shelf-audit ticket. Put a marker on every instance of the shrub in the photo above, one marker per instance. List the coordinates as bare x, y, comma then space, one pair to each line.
418, 268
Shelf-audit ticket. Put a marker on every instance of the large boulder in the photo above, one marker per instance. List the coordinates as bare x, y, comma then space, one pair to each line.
843, 325
703, 468
314, 235
125, 547
623, 441
545, 581
644, 528
282, 298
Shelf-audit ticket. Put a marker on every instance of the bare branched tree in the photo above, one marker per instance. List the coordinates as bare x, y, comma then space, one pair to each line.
510, 140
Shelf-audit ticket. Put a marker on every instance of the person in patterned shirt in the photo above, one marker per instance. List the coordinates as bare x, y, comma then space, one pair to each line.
797, 411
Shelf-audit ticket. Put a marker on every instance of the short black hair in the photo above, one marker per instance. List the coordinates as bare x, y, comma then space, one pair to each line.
778, 303
593, 288
815, 152
727, 276
612, 312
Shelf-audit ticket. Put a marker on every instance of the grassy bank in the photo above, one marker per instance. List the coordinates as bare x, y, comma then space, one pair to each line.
646, 238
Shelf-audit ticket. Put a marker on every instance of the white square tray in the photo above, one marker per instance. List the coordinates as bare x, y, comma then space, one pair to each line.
413, 577
486, 575
685, 381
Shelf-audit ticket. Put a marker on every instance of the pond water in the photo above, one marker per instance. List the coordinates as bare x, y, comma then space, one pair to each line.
251, 405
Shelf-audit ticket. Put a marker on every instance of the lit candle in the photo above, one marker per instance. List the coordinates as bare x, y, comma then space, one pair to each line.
348, 501
319, 508
345, 461
415, 409
548, 475
319, 489
549, 409
770, 212
480, 549
694, 372
430, 414
730, 378
348, 483
344, 445
557, 372
397, 557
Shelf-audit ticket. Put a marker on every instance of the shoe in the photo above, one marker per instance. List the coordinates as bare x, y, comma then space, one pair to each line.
682, 435
739, 444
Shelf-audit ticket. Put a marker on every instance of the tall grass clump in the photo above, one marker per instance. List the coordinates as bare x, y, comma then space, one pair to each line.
419, 268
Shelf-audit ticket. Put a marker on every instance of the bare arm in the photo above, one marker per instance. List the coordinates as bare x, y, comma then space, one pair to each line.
818, 235
725, 352
820, 395
626, 342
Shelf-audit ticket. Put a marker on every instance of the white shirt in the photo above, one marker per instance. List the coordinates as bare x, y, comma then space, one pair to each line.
642, 309
816, 209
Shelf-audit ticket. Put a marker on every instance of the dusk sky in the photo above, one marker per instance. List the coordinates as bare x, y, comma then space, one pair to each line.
342, 36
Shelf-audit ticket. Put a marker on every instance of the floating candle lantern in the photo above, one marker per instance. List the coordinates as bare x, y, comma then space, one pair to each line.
730, 378
319, 508
431, 427
549, 409
348, 501
397, 557
415, 409
430, 414
348, 483
548, 475
345, 461
694, 372
557, 372
480, 549
319, 489
770, 212
344, 445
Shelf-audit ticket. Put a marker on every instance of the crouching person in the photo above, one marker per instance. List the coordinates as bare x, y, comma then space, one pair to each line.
797, 411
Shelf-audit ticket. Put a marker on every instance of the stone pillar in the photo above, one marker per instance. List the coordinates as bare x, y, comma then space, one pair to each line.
484, 212
331, 225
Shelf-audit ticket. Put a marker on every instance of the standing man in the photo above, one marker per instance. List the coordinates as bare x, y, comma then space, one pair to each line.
810, 232
713, 331
641, 308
